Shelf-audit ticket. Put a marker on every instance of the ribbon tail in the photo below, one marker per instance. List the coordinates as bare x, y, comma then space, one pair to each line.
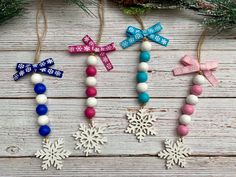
131, 40
88, 41
185, 70
80, 49
158, 39
51, 72
211, 78
106, 61
132, 31
155, 28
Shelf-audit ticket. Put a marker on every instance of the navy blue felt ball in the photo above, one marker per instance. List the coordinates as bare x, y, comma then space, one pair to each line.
40, 88
44, 130
41, 109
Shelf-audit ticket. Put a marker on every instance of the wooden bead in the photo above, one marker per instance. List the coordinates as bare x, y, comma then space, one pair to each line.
184, 119
142, 87
143, 66
36, 78
199, 79
192, 99
43, 120
91, 81
41, 99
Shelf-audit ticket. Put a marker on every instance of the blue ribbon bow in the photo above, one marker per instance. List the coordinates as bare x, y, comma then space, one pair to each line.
135, 34
42, 67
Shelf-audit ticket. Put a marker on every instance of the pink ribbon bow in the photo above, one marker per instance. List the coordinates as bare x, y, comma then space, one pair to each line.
191, 66
91, 47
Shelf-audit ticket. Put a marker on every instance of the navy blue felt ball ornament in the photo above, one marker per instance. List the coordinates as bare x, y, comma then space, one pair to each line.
44, 130
41, 109
40, 88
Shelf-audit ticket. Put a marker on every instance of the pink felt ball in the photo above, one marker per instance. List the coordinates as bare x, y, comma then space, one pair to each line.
196, 90
89, 112
91, 71
187, 109
182, 130
91, 92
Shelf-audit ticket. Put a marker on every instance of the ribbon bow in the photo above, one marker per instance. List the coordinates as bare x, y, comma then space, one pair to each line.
91, 47
42, 67
135, 34
191, 66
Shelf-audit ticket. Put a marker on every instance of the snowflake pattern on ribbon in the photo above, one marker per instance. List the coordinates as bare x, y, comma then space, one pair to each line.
90, 138
175, 153
140, 124
52, 154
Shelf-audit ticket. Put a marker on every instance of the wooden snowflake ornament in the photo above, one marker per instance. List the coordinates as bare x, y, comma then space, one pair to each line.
90, 138
175, 153
140, 124
52, 154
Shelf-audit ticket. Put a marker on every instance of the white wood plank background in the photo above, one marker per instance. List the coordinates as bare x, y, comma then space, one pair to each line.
212, 132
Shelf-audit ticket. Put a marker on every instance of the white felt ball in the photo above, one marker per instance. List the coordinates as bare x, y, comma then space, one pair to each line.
41, 99
43, 120
185, 119
199, 79
192, 99
142, 87
92, 60
91, 102
143, 66
90, 81
36, 78
146, 46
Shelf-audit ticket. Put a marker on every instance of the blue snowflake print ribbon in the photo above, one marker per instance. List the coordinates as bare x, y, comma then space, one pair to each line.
135, 34
42, 67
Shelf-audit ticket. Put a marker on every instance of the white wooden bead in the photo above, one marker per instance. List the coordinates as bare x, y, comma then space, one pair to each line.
91, 81
92, 60
192, 99
143, 66
36, 78
199, 79
146, 46
41, 99
43, 120
142, 87
185, 119
91, 102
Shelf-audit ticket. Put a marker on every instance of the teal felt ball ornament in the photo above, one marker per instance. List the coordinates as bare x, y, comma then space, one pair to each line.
143, 97
142, 77
144, 56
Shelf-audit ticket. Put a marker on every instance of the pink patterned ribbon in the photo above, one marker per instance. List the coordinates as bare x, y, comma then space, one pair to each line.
191, 66
91, 47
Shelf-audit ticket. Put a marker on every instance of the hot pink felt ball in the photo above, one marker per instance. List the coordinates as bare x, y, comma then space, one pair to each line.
91, 91
196, 90
182, 130
91, 71
187, 109
89, 112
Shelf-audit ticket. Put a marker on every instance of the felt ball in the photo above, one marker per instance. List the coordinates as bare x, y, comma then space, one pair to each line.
91, 102
41, 99
43, 120
44, 130
92, 60
91, 81
91, 91
192, 99
143, 97
142, 87
184, 119
144, 56
40, 88
187, 109
146, 46
142, 76
89, 112
41, 109
143, 66
196, 90
36, 78
199, 79
182, 130
91, 71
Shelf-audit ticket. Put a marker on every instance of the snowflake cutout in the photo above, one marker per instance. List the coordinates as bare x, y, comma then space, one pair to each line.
89, 138
86, 48
140, 124
52, 154
175, 153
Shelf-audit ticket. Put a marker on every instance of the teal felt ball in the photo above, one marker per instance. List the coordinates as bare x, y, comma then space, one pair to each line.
142, 76
143, 97
144, 56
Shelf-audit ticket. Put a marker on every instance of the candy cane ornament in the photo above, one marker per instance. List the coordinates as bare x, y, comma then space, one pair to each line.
141, 122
